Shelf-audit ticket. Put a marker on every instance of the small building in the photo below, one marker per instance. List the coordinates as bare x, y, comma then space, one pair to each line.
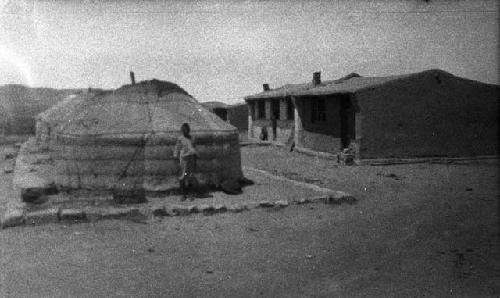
235, 114
217, 107
424, 114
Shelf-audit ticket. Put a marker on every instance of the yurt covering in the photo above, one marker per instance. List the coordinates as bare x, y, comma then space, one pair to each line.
4, 122
48, 121
125, 140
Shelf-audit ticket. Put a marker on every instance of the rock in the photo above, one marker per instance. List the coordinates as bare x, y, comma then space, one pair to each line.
340, 197
237, 208
12, 217
266, 204
319, 198
8, 171
206, 209
42, 216
282, 203
180, 210
193, 209
231, 187
252, 205
160, 211
219, 208
304, 201
72, 214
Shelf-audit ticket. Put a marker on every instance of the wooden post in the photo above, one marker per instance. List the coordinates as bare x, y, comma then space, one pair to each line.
132, 78
283, 109
251, 108
268, 109
358, 122
298, 128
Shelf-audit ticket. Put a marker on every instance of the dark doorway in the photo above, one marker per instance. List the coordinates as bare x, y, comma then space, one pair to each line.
275, 116
345, 111
222, 113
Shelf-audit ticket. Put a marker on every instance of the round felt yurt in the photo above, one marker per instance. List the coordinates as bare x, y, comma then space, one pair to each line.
48, 121
125, 140
4, 123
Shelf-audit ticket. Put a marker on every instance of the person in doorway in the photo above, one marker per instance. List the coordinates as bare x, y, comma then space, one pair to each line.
185, 151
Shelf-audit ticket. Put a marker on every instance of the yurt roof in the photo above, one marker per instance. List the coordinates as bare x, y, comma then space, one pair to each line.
214, 105
146, 107
4, 115
62, 110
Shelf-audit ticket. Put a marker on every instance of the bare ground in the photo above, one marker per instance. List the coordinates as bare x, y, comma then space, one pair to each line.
425, 229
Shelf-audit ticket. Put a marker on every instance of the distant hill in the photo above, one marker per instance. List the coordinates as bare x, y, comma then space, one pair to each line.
20, 105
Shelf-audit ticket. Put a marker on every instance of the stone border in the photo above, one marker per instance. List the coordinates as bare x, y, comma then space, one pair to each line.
18, 216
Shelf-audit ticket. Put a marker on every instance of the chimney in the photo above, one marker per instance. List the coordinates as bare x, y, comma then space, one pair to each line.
266, 87
132, 77
316, 78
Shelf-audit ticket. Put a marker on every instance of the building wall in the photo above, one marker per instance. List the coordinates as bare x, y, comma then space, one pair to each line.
284, 129
434, 115
237, 115
321, 136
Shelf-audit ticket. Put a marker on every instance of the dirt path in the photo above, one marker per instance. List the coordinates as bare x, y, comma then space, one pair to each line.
416, 230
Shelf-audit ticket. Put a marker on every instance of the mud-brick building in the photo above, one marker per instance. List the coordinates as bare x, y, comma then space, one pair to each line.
430, 113
235, 114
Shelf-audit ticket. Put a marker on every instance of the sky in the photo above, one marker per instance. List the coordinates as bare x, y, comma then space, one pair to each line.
225, 50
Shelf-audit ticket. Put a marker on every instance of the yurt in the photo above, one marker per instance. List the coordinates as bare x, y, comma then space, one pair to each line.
51, 119
124, 140
4, 123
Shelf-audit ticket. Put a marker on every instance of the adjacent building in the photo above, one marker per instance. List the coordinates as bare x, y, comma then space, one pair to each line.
430, 113
235, 114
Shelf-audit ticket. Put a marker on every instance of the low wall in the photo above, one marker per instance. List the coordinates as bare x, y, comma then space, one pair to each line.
320, 142
284, 130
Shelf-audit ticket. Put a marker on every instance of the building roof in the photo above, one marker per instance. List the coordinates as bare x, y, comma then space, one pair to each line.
351, 83
214, 105
146, 107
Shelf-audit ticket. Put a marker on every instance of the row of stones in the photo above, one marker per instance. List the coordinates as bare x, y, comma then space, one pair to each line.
18, 216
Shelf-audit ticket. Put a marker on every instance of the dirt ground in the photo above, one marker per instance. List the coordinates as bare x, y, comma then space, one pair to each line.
422, 229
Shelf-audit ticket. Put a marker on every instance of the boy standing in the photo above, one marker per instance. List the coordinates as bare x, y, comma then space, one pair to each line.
185, 151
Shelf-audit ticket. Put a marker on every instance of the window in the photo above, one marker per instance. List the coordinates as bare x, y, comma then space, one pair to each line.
290, 109
318, 110
275, 109
261, 109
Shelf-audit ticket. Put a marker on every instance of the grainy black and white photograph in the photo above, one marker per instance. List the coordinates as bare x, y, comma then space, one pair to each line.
257, 148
